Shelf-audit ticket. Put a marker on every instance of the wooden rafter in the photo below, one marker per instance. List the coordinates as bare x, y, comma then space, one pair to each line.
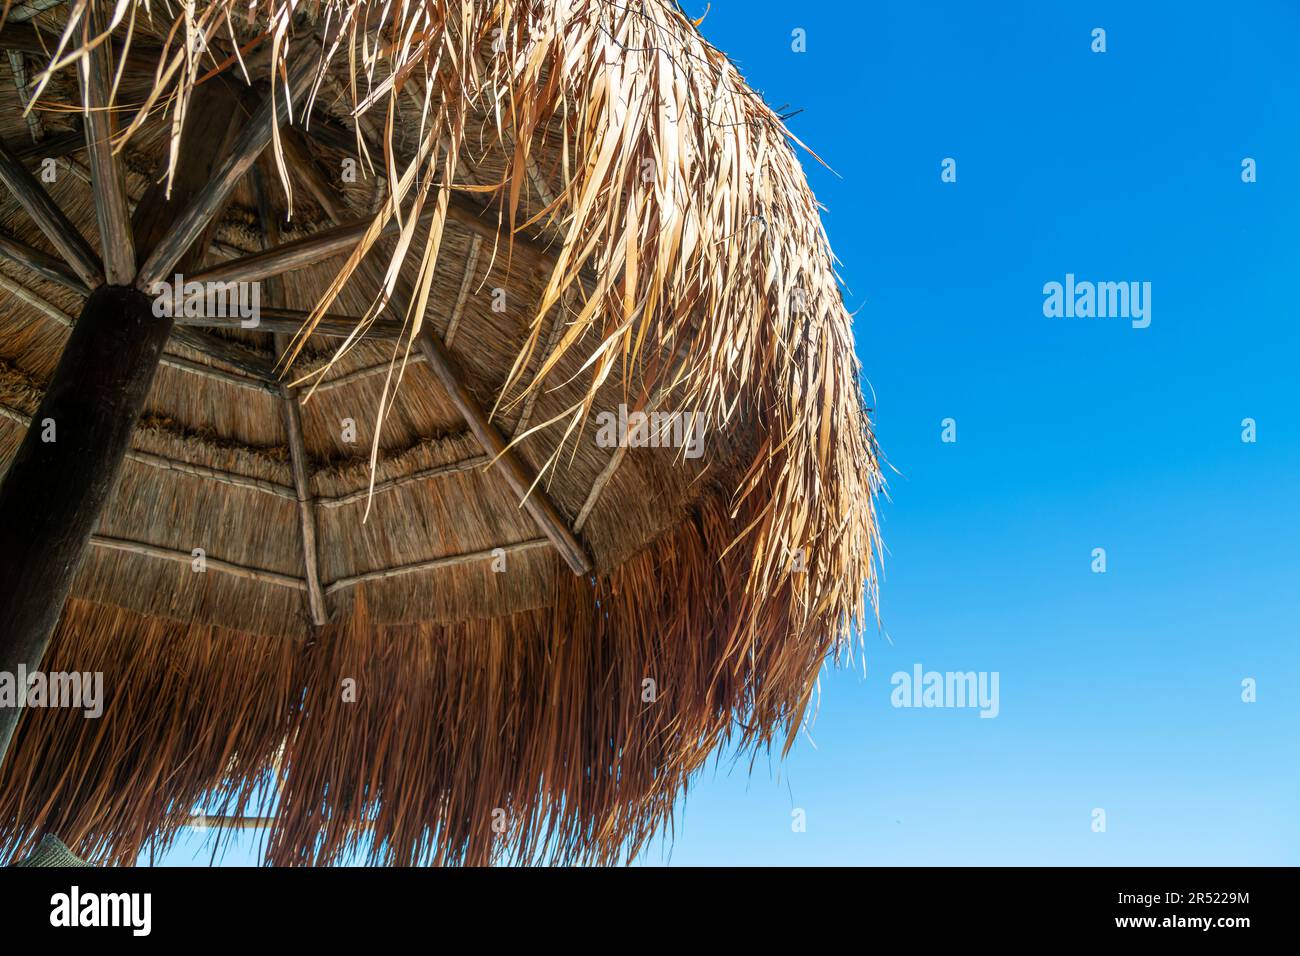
284, 257
52, 147
472, 463
299, 158
448, 561
506, 459
211, 198
317, 607
342, 238
45, 266
366, 371
275, 578
289, 321
108, 179
50, 218
213, 564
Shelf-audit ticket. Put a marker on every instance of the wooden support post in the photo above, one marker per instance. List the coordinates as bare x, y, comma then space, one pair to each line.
66, 467
508, 463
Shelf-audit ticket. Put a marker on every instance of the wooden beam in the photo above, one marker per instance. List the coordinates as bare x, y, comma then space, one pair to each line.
214, 106
52, 147
45, 266
301, 162
285, 257
213, 109
451, 560
209, 200
316, 605
337, 240
106, 173
257, 364
276, 579
508, 462
347, 378
317, 608
54, 491
289, 321
44, 306
219, 475
263, 381
50, 218
213, 564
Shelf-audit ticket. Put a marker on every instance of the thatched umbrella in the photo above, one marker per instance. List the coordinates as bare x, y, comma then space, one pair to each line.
392, 563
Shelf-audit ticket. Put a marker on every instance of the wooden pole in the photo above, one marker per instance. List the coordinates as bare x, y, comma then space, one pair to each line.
56, 226
208, 201
66, 467
317, 607
107, 177
45, 266
508, 463
290, 321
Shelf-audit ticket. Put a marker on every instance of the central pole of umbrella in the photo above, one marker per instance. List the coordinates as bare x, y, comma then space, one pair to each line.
66, 467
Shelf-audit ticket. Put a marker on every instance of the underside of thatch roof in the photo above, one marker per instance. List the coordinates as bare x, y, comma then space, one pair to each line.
589, 209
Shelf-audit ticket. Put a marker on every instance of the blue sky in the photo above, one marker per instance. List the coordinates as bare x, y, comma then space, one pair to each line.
1120, 691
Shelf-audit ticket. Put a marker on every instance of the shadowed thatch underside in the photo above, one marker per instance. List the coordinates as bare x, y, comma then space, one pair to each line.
589, 208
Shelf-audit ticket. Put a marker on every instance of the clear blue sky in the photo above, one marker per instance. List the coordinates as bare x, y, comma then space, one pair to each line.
1121, 690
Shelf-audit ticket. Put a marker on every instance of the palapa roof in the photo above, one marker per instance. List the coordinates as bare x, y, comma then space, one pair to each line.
600, 212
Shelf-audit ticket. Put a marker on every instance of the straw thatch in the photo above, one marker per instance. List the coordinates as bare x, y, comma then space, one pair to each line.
654, 242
